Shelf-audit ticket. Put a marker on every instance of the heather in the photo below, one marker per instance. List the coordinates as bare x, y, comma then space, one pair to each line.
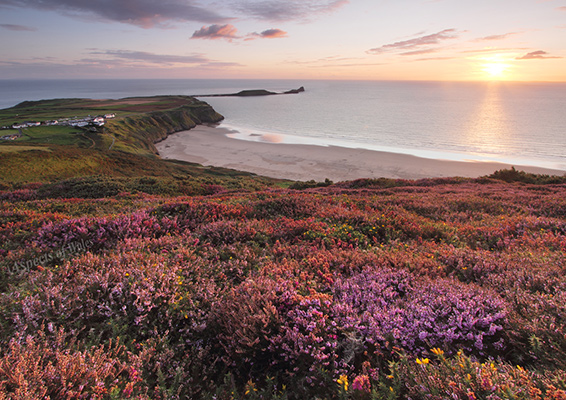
372, 289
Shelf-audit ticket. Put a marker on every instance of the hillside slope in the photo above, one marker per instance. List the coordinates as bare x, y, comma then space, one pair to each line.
123, 147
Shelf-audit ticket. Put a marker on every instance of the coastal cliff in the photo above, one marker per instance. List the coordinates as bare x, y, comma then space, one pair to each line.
52, 147
141, 131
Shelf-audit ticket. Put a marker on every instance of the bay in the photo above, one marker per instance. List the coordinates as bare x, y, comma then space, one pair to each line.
516, 123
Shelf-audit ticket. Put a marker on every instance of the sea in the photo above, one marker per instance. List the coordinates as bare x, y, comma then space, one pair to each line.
514, 123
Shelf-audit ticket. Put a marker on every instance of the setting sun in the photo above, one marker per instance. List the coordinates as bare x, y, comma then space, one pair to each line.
495, 70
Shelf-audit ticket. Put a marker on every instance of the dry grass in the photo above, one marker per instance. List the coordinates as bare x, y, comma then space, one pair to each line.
15, 149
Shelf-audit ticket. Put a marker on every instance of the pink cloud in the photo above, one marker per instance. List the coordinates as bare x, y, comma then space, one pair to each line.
227, 31
273, 34
267, 34
413, 44
497, 37
536, 55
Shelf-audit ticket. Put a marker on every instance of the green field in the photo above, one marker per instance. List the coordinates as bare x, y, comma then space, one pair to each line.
123, 148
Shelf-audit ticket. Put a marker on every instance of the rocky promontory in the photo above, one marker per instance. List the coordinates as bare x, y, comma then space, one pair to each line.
253, 92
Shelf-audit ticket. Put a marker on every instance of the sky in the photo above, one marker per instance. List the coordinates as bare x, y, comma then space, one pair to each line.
446, 40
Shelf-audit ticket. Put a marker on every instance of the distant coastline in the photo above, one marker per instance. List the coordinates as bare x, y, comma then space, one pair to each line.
252, 93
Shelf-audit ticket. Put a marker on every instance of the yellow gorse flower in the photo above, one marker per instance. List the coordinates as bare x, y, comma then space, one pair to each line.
343, 381
423, 361
437, 351
250, 387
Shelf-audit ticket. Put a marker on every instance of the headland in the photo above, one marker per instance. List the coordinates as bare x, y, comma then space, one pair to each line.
253, 92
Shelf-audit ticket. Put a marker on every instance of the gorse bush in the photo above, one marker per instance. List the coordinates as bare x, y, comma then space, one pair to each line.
513, 175
383, 290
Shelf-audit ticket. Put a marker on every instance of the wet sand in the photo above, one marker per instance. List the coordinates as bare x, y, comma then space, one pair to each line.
211, 146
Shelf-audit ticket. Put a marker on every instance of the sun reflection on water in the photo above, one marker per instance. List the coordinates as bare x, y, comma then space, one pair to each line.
488, 127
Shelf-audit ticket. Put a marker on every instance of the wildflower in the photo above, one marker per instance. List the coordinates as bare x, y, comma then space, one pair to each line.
361, 382
437, 351
343, 381
250, 387
128, 390
423, 361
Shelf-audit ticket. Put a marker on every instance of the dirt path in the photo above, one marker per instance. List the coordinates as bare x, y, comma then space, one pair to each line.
91, 139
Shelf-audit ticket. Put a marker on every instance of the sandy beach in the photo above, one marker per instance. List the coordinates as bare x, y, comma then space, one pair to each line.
211, 146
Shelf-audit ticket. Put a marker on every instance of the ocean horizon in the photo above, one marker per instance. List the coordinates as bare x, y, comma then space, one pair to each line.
513, 123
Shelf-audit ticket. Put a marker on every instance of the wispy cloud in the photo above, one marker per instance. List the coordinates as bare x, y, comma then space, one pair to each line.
419, 52
12, 27
143, 13
287, 10
497, 37
436, 58
563, 8
332, 62
227, 31
416, 43
536, 55
142, 59
345, 65
116, 63
152, 58
230, 33
494, 50
111, 68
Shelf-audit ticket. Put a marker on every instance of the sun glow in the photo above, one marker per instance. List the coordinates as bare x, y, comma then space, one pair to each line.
495, 70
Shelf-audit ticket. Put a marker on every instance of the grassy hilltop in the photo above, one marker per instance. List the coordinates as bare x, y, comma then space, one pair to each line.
124, 276
123, 147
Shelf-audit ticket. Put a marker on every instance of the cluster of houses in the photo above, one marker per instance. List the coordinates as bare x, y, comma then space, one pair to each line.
84, 122
10, 137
